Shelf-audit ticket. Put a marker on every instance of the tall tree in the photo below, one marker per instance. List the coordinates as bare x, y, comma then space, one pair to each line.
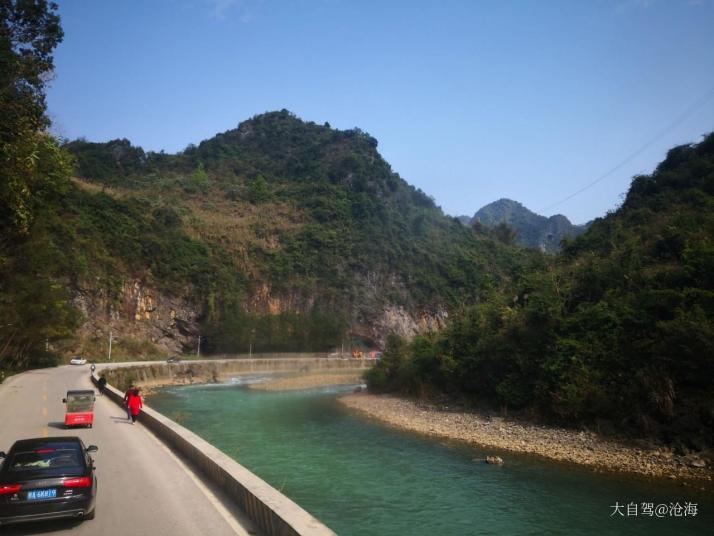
29, 32
33, 306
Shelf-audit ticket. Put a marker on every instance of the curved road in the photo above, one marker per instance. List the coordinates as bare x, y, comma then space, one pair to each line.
142, 487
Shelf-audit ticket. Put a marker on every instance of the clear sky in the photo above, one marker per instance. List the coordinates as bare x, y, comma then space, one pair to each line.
470, 101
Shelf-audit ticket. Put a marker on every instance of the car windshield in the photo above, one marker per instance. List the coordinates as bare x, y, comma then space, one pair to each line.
45, 458
77, 403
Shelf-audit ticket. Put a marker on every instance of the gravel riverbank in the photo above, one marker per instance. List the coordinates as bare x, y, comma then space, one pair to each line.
585, 448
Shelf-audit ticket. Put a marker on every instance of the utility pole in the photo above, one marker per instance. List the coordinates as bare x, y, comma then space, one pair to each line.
198, 348
110, 347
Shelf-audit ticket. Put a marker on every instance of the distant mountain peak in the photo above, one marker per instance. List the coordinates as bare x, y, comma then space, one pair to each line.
533, 230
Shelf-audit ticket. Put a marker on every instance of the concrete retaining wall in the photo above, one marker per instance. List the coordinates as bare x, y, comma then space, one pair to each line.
272, 511
211, 371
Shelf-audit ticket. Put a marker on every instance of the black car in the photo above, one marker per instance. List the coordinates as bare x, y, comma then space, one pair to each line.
173, 359
47, 478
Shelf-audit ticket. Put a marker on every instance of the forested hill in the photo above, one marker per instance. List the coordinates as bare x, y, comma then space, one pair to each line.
619, 329
281, 233
532, 230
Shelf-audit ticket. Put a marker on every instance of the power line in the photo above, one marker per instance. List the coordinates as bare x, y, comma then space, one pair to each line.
687, 113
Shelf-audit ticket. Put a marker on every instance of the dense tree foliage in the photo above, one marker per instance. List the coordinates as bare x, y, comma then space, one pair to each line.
314, 214
34, 174
29, 32
531, 229
619, 326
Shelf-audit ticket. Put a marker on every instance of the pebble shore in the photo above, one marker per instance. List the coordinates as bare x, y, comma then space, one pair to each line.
564, 445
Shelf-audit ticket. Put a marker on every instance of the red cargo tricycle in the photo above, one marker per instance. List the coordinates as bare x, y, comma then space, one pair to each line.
80, 408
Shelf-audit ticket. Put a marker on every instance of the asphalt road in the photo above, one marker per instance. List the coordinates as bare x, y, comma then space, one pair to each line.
142, 487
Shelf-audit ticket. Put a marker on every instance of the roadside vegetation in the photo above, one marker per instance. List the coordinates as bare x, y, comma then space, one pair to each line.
617, 330
34, 173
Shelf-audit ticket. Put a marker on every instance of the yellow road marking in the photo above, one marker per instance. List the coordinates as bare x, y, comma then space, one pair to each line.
45, 432
44, 412
44, 397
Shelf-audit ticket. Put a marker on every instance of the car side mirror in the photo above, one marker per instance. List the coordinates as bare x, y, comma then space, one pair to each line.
3, 455
64, 400
92, 448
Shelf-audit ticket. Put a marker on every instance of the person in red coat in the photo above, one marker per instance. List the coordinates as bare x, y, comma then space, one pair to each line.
127, 396
135, 404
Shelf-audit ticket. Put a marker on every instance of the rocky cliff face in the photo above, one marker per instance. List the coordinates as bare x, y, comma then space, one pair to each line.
142, 316
279, 234
137, 313
395, 319
377, 316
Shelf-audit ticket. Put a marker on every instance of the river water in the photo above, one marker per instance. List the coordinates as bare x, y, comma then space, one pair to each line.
362, 478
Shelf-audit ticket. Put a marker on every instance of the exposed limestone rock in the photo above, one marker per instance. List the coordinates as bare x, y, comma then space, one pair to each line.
263, 300
138, 312
396, 319
143, 313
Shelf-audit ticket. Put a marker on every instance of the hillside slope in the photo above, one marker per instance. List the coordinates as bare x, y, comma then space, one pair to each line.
617, 331
532, 230
280, 234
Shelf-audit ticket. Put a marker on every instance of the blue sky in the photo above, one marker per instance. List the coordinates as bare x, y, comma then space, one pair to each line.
470, 101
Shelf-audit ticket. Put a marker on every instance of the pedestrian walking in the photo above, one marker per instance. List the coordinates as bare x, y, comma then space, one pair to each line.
135, 404
127, 396
101, 383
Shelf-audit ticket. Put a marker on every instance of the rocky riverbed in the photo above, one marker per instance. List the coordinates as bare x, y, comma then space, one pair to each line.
565, 445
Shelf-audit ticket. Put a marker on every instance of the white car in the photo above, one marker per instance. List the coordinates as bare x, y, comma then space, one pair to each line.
78, 361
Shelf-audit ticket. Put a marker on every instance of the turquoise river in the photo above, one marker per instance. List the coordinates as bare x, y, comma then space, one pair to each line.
362, 478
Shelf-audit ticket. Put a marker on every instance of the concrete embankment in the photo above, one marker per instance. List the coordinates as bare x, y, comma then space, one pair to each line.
272, 511
212, 371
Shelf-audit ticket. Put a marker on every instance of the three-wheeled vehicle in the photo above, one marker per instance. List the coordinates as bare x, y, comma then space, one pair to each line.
80, 408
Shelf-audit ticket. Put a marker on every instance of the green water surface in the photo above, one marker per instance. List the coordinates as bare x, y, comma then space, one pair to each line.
363, 478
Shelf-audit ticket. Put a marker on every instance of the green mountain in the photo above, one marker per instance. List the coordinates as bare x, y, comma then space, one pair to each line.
618, 328
532, 230
278, 235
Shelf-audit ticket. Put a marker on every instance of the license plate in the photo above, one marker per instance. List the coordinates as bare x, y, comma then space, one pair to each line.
39, 494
